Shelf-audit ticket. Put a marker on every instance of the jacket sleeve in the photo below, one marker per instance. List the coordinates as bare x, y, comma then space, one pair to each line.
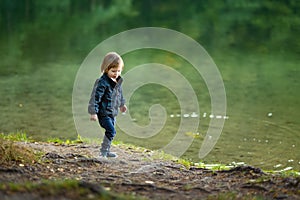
97, 93
123, 101
91, 107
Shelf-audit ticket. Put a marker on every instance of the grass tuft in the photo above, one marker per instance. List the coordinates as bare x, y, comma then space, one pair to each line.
57, 140
19, 136
11, 153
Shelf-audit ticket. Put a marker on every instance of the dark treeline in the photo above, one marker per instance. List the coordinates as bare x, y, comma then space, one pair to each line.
33, 31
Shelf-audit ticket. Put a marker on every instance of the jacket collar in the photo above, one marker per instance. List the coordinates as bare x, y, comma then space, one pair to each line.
111, 82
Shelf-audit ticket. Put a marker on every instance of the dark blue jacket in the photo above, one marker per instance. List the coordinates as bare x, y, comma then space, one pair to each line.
106, 97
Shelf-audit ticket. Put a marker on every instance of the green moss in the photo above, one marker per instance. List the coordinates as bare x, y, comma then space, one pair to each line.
285, 173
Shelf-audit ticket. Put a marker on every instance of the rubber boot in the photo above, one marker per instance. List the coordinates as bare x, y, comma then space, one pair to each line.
105, 149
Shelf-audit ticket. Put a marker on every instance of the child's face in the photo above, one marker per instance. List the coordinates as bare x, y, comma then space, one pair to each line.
114, 73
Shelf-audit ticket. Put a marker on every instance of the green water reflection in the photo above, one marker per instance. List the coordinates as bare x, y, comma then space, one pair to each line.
263, 126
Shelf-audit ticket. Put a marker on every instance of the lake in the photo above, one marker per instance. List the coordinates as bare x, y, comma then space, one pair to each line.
261, 128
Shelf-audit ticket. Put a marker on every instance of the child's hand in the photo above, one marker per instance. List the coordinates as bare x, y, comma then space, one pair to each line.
123, 108
94, 117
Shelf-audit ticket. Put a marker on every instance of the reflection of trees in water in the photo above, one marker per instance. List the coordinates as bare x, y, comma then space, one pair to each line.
42, 30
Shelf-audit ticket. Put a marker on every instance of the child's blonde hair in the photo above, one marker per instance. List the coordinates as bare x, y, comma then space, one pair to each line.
111, 60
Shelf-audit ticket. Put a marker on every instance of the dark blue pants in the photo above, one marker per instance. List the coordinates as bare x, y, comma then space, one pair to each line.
108, 123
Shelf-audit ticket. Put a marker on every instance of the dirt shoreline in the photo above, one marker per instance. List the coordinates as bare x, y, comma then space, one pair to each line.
140, 174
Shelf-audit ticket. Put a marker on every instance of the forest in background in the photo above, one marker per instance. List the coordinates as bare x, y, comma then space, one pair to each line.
34, 32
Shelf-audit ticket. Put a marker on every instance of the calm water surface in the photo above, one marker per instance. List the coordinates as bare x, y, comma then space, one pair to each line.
263, 125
